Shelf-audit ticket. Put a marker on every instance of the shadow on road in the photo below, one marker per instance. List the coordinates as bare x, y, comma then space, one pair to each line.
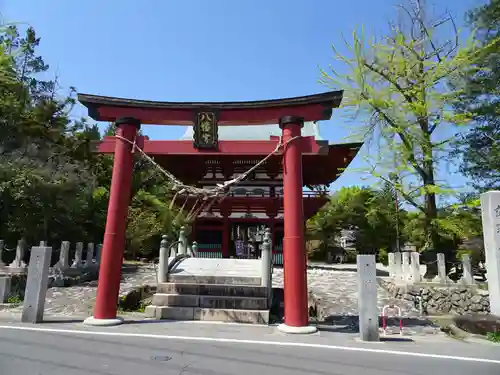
350, 323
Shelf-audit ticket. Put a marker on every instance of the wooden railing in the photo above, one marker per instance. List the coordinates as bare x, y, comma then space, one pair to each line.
266, 194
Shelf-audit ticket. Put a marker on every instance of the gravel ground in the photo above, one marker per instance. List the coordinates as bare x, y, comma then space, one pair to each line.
335, 290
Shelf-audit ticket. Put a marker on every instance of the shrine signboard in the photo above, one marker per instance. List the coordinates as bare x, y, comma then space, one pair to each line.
205, 132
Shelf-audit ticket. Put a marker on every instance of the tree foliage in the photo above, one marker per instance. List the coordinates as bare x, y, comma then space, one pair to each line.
371, 215
52, 186
400, 86
379, 223
480, 147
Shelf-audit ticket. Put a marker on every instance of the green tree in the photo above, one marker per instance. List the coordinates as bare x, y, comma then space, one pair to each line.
370, 215
480, 147
53, 186
400, 84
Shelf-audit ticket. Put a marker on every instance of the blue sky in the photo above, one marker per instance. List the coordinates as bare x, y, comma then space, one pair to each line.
204, 50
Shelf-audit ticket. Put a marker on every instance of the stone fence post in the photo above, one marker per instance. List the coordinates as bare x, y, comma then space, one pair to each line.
367, 297
98, 254
64, 255
163, 260
90, 254
77, 262
182, 247
391, 260
398, 267
18, 264
2, 244
441, 277
490, 212
5, 287
415, 267
36, 284
265, 260
467, 276
406, 265
194, 249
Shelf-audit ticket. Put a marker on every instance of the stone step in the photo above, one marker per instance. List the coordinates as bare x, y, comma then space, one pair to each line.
208, 314
222, 279
213, 289
214, 302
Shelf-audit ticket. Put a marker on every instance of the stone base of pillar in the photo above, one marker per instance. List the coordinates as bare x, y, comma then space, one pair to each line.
305, 330
91, 321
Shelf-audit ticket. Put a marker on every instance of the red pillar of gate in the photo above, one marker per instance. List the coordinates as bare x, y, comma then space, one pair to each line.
114, 236
294, 267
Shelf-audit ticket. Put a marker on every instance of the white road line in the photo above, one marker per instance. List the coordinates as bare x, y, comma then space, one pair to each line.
252, 342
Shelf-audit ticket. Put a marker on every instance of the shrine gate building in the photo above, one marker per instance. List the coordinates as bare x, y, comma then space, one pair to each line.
224, 140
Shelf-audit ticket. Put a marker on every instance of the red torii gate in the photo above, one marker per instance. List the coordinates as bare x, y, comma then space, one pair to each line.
128, 115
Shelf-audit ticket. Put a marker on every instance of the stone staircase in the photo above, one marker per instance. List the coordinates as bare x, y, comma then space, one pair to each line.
226, 290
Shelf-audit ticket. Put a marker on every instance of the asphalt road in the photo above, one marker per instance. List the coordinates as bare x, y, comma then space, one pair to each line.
51, 353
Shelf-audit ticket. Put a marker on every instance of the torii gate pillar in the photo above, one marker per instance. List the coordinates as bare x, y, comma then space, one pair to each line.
108, 286
294, 258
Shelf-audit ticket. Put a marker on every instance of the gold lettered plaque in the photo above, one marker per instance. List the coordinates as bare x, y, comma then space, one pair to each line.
205, 130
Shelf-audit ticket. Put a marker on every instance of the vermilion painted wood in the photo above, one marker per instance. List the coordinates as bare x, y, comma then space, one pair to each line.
322, 161
114, 236
310, 108
294, 256
322, 164
308, 145
258, 205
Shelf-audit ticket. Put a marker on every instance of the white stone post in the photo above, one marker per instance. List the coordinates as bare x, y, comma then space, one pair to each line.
194, 249
391, 259
441, 265
36, 284
467, 277
406, 265
18, 262
2, 245
90, 254
64, 255
182, 247
265, 260
398, 267
367, 298
163, 261
415, 267
490, 207
5, 287
77, 262
43, 243
98, 254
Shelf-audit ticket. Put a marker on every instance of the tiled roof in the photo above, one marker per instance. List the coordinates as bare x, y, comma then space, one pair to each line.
255, 132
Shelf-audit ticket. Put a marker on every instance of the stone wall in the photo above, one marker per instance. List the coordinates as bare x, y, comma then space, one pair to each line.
441, 299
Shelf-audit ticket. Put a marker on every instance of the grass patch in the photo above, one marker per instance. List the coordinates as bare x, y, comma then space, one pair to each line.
142, 307
493, 336
15, 299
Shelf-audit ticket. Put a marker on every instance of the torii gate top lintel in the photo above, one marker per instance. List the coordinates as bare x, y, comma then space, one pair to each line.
310, 108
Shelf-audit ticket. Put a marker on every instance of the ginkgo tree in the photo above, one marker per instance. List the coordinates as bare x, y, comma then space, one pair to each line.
403, 87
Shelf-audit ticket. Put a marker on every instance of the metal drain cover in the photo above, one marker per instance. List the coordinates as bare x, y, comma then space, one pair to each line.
161, 358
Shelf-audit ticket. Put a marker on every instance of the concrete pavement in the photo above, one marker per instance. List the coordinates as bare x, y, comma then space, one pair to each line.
200, 348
